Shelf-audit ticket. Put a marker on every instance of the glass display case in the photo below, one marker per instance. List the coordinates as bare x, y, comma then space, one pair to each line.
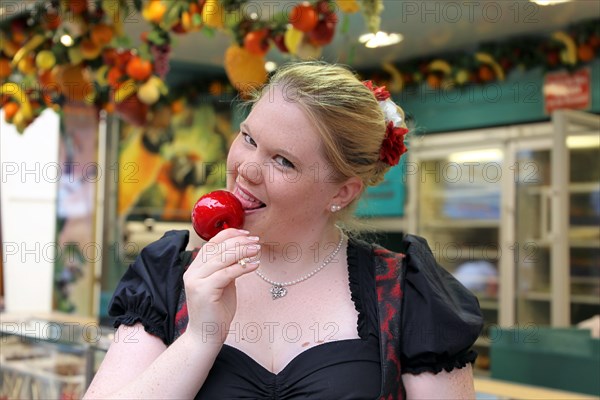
514, 213
558, 283
49, 357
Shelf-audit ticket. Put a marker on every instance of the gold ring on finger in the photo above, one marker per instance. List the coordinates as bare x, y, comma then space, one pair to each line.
243, 262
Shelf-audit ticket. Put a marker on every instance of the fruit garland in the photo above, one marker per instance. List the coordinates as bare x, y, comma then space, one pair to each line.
568, 49
76, 50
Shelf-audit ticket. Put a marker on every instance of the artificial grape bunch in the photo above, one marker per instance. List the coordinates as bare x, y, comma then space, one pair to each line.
161, 55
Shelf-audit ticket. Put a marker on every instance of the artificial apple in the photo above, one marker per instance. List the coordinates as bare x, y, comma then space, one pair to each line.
323, 33
216, 211
256, 42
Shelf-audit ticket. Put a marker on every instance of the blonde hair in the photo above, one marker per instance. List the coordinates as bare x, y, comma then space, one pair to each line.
347, 116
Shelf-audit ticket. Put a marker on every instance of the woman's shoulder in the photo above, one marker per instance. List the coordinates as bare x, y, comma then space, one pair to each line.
410, 246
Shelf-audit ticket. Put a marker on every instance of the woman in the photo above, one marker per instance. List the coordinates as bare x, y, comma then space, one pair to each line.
290, 307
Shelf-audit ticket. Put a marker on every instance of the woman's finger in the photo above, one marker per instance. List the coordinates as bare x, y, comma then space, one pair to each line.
226, 251
230, 252
223, 277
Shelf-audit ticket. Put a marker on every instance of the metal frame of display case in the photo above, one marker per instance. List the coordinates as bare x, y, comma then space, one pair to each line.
561, 288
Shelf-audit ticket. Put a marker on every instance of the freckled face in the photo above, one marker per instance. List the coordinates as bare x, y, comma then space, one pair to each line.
277, 170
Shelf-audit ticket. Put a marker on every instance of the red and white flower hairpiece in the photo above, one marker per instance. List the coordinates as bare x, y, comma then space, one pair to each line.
393, 145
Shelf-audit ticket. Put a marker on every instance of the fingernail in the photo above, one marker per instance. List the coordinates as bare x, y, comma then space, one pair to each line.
253, 247
254, 238
243, 231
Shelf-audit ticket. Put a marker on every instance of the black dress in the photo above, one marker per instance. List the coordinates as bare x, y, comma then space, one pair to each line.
345, 369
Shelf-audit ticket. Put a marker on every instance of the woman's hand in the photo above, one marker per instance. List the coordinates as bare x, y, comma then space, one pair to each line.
210, 282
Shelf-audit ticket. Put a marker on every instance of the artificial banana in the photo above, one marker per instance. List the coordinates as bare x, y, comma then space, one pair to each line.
569, 54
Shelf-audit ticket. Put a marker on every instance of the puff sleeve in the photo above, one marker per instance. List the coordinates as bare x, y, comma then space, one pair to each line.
149, 290
441, 319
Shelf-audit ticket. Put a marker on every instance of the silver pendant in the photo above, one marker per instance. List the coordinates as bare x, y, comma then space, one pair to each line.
278, 292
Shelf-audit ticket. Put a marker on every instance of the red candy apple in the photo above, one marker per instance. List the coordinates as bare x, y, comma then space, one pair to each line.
216, 211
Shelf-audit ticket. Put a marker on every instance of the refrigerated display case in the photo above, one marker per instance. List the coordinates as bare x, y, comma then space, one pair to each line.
514, 213
559, 199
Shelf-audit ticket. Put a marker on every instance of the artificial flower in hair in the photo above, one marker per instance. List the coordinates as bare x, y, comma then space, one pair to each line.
393, 145
381, 93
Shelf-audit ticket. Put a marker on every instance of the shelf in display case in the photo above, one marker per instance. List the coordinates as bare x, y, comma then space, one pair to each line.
577, 298
582, 187
488, 304
585, 299
585, 280
574, 243
462, 224
579, 237
537, 296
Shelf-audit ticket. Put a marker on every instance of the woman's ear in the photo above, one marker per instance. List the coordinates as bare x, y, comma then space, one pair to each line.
348, 191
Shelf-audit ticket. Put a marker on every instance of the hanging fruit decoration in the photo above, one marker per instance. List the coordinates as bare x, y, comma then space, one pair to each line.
566, 49
245, 70
76, 50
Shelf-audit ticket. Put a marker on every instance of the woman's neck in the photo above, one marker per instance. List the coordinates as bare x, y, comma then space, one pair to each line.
290, 259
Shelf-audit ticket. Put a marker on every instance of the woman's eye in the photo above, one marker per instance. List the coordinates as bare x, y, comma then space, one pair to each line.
283, 162
248, 139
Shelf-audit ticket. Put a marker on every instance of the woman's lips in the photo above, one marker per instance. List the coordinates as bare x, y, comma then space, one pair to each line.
249, 202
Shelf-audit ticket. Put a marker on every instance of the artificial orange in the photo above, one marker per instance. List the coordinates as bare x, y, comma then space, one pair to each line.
485, 73
114, 77
177, 106
109, 107
10, 109
101, 34
304, 17
585, 52
434, 81
138, 68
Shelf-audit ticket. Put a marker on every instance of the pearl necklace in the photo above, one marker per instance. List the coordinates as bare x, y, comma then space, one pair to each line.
278, 289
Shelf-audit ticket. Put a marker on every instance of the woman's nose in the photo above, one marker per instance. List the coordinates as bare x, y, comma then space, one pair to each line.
251, 171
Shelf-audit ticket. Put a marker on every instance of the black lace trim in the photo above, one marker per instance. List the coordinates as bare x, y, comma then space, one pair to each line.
355, 288
460, 361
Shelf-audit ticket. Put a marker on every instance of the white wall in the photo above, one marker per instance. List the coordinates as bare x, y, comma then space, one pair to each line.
29, 175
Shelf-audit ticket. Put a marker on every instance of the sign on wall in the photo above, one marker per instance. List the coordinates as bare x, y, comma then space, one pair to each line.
567, 90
